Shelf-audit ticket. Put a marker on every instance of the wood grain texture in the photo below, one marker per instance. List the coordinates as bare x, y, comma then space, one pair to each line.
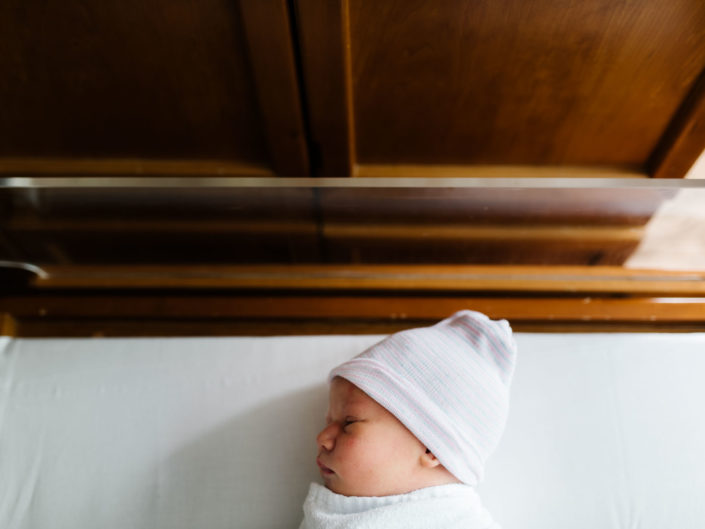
47, 166
324, 37
511, 82
528, 244
441, 278
501, 234
298, 241
493, 171
131, 79
268, 31
275, 307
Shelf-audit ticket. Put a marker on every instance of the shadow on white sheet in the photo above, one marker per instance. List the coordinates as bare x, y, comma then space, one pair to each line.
604, 431
161, 433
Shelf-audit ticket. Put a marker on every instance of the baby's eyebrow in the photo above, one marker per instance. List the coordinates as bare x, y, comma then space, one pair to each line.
347, 413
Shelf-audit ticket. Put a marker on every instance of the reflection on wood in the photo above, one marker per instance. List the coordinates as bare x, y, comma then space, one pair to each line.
356, 226
109, 226
480, 206
682, 143
458, 279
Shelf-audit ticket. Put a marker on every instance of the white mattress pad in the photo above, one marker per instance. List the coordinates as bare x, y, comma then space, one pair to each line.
605, 431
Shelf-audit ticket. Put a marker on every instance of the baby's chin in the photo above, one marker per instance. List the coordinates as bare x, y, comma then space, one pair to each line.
365, 491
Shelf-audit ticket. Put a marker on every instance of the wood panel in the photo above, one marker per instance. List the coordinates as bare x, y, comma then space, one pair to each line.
596, 86
268, 29
323, 33
140, 87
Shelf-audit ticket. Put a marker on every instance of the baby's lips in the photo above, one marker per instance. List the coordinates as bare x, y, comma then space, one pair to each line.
323, 467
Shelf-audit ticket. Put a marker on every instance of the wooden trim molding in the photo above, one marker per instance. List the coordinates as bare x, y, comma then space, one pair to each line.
149, 315
493, 171
573, 280
684, 139
270, 43
274, 306
303, 299
128, 167
8, 326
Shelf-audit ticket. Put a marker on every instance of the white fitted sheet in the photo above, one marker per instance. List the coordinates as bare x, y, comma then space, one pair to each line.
605, 431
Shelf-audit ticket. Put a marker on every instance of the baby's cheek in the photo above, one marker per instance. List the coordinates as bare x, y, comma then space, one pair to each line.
365, 453
357, 445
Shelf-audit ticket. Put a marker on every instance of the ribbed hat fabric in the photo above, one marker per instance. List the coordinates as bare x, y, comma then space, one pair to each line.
448, 384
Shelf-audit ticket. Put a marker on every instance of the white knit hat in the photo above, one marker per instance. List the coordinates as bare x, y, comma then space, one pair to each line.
448, 384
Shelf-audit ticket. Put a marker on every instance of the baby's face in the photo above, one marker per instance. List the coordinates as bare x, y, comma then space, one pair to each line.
364, 450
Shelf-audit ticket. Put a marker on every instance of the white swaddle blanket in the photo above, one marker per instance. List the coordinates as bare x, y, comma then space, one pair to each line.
453, 506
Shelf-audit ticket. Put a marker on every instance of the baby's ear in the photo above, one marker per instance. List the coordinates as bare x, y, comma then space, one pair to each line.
428, 460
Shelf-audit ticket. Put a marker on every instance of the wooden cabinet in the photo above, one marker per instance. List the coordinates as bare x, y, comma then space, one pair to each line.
154, 87
352, 87
340, 88
507, 88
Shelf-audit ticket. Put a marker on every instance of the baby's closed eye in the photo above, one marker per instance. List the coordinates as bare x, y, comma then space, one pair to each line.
348, 421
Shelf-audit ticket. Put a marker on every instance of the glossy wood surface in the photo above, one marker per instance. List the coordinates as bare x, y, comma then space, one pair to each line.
270, 44
343, 88
199, 81
598, 85
352, 87
324, 38
516, 82
79, 315
318, 226
440, 278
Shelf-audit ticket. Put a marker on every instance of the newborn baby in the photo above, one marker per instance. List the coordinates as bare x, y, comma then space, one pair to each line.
410, 424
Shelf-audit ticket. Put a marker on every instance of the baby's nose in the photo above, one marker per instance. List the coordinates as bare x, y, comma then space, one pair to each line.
326, 438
